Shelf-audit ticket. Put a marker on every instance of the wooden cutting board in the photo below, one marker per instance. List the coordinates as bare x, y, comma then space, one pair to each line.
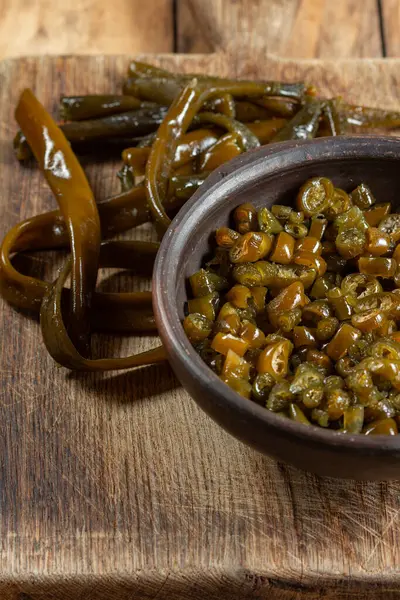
118, 486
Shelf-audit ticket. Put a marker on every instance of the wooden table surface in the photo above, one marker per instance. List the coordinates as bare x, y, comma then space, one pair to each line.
288, 28
121, 487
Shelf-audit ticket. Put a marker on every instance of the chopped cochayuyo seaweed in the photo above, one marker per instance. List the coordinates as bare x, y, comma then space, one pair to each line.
299, 308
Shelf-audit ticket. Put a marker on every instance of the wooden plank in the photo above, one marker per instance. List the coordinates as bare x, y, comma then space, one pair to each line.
287, 28
119, 486
297, 28
339, 29
87, 27
391, 26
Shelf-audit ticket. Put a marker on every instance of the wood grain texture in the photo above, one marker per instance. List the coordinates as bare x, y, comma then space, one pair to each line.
391, 26
85, 27
292, 28
118, 486
287, 28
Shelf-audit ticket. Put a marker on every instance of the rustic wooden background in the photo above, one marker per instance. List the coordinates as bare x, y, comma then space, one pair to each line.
120, 487
288, 28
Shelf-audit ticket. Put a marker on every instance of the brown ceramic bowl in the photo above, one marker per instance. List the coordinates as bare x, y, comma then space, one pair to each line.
271, 174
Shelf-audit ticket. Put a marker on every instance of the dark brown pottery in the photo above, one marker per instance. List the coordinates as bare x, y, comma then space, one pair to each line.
266, 176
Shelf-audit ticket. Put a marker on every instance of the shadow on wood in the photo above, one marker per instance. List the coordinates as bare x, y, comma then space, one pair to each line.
129, 386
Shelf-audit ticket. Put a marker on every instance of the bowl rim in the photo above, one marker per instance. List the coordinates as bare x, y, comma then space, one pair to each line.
174, 242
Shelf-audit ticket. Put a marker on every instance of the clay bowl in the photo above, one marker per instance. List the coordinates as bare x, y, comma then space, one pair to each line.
265, 176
